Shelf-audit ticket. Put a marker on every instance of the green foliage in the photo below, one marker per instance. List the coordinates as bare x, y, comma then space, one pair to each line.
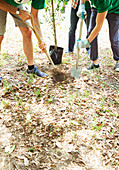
31, 149
5, 104
20, 102
31, 79
50, 100
7, 86
6, 56
37, 93
58, 6
96, 126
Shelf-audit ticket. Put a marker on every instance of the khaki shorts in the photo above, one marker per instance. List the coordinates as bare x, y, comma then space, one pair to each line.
17, 20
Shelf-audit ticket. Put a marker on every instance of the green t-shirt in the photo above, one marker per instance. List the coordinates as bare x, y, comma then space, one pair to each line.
112, 6
87, 4
36, 4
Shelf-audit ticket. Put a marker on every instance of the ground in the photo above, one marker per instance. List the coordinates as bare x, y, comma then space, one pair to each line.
68, 125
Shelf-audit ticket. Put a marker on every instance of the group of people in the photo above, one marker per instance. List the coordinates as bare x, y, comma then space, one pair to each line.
96, 12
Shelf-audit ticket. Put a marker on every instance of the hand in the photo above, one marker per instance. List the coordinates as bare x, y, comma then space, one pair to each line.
24, 15
83, 44
81, 13
42, 46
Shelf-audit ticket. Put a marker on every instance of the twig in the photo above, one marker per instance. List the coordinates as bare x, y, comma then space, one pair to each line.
116, 79
15, 166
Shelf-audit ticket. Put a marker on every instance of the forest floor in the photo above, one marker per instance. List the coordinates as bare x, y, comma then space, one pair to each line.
46, 124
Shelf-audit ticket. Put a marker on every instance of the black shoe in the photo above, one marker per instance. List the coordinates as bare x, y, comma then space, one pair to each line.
92, 66
37, 72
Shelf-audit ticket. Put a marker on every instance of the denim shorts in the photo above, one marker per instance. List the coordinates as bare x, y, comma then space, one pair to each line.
3, 19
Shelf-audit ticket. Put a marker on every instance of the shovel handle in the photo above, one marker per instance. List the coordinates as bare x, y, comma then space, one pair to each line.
80, 33
81, 26
39, 39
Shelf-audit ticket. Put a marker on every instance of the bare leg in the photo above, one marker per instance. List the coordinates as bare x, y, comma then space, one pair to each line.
1, 38
27, 44
96, 62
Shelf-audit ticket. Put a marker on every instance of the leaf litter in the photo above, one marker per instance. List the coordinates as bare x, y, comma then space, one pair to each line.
52, 124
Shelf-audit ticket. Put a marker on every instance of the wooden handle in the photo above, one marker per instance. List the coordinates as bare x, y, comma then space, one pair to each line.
78, 50
39, 39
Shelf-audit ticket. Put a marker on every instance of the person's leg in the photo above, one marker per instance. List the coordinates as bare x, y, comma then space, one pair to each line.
1, 38
72, 30
27, 44
87, 21
3, 16
28, 50
113, 21
94, 43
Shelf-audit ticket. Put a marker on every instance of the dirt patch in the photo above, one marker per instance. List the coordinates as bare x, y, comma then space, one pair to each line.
58, 75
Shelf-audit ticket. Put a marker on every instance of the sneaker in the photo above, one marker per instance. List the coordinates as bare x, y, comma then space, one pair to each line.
37, 72
117, 66
92, 66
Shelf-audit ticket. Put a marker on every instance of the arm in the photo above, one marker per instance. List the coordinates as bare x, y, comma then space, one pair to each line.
24, 15
7, 7
99, 22
34, 13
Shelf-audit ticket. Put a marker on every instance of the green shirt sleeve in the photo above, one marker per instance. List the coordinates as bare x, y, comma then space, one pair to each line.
38, 4
102, 5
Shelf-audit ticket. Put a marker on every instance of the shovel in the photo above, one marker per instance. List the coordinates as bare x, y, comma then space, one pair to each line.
55, 52
57, 73
39, 39
75, 72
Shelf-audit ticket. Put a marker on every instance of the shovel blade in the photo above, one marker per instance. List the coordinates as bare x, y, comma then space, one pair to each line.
75, 72
56, 54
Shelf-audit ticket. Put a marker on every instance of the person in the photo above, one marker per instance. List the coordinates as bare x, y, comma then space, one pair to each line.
94, 44
20, 14
103, 9
74, 18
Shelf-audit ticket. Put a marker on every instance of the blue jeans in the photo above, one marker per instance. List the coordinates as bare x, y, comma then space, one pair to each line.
113, 22
73, 26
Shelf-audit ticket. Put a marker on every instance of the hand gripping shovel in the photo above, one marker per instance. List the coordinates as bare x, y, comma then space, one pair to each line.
39, 39
75, 72
57, 73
